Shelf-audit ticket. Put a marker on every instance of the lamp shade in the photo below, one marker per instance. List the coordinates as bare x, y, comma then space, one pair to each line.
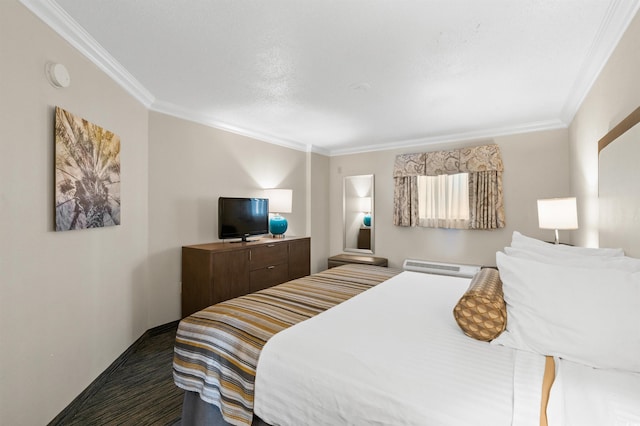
558, 213
280, 200
364, 204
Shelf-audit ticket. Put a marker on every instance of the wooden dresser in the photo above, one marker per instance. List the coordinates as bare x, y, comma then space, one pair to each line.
215, 272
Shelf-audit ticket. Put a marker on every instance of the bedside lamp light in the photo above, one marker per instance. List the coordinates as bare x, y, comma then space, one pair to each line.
280, 201
557, 213
365, 207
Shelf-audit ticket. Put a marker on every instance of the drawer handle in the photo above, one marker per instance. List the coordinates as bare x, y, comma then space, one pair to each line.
271, 245
271, 267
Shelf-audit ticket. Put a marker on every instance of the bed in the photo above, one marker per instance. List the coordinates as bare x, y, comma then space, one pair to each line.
362, 344
217, 352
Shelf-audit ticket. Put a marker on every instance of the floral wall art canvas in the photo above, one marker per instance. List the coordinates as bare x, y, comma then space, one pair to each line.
87, 174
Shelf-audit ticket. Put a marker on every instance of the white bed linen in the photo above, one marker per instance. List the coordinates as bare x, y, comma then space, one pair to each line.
394, 355
582, 396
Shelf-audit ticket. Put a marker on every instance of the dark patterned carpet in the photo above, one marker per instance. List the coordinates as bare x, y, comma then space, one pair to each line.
140, 391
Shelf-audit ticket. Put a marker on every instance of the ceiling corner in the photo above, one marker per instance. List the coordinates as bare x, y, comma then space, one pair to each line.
56, 18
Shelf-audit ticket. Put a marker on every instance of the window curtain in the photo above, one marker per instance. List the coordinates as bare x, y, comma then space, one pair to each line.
486, 209
484, 167
444, 201
406, 170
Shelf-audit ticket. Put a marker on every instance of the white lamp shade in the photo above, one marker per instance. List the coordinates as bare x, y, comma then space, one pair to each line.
558, 213
364, 204
280, 200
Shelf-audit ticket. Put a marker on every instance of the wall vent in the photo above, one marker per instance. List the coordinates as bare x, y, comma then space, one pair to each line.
438, 268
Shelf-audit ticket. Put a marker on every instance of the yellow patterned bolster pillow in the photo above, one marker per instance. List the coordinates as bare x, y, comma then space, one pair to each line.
481, 312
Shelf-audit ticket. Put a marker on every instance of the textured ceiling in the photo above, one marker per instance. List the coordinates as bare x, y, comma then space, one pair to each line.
351, 75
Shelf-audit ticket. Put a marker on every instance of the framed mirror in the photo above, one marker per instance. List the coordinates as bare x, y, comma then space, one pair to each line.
618, 177
358, 214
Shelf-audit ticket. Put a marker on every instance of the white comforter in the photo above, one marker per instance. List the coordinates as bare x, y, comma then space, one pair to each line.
394, 355
583, 396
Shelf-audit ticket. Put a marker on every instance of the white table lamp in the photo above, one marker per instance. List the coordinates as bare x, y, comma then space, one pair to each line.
557, 213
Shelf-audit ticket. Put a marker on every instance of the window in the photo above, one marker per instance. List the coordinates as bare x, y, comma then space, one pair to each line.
469, 196
443, 201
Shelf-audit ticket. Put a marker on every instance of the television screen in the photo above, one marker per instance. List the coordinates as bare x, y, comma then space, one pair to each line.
242, 217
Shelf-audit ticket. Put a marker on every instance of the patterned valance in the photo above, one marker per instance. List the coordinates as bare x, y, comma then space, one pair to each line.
482, 163
464, 160
409, 165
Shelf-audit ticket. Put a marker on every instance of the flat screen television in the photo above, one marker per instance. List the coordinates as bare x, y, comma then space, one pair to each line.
242, 217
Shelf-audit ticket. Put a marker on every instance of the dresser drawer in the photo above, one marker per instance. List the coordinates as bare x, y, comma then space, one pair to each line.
269, 276
268, 255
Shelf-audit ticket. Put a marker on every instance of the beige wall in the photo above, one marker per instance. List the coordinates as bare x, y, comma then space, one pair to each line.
70, 302
318, 211
535, 167
190, 166
615, 94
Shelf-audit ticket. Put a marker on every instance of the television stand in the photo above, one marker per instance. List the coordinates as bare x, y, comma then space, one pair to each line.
216, 272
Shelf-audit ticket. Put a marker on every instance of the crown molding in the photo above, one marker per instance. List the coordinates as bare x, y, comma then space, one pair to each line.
197, 117
56, 18
619, 15
457, 137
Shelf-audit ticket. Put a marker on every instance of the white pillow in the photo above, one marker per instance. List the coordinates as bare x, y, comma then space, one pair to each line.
522, 241
585, 315
605, 262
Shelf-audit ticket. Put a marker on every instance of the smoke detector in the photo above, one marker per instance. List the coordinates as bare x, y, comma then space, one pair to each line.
58, 75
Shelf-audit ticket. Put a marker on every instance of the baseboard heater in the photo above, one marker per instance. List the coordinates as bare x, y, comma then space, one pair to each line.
439, 268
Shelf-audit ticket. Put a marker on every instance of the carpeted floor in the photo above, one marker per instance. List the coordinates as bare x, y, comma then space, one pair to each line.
140, 391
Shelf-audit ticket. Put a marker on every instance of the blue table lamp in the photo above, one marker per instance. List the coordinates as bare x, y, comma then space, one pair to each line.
365, 207
280, 201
